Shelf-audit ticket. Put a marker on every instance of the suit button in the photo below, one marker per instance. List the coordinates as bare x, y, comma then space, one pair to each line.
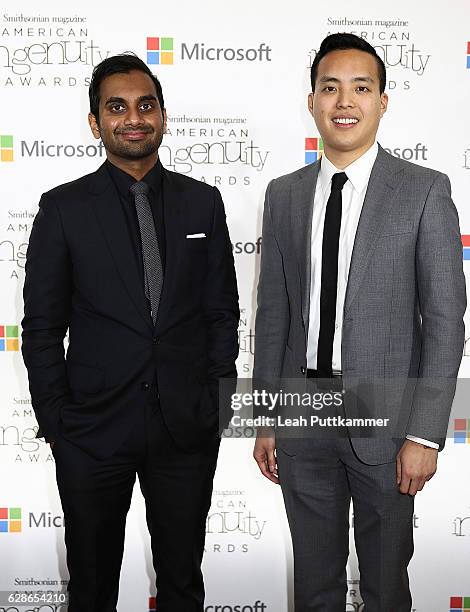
302, 370
145, 386
156, 340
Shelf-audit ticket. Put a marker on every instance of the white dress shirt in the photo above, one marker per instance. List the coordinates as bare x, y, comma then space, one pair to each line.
353, 195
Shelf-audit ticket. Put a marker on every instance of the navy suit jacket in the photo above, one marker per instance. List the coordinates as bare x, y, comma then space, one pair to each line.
82, 276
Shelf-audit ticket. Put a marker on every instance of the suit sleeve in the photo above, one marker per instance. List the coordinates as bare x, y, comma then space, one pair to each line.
442, 303
221, 305
47, 305
272, 314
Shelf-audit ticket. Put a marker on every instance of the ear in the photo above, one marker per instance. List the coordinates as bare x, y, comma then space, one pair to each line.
94, 125
383, 104
310, 103
164, 120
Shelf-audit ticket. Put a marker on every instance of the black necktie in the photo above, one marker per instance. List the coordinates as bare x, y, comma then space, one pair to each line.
153, 270
329, 276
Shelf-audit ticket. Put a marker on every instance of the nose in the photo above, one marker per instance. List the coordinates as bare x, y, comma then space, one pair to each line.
345, 99
133, 117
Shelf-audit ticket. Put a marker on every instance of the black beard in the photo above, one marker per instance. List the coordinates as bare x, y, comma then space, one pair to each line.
132, 150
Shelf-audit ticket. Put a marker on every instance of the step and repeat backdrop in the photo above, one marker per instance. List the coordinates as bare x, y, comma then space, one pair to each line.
235, 79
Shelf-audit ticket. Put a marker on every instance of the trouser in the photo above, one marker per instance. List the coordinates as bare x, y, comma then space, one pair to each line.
319, 477
96, 495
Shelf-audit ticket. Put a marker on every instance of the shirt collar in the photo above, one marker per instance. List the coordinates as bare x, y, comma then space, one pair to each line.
358, 172
123, 181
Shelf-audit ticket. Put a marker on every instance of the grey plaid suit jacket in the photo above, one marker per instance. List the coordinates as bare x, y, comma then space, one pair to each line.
403, 325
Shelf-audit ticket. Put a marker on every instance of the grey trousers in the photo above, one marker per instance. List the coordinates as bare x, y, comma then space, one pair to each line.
319, 477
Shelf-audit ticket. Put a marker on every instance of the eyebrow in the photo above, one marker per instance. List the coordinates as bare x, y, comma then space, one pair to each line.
331, 79
117, 99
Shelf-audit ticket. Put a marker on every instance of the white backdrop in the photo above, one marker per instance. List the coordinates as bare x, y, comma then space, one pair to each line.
236, 122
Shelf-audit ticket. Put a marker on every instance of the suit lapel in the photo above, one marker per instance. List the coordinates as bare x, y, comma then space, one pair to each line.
302, 197
105, 203
378, 201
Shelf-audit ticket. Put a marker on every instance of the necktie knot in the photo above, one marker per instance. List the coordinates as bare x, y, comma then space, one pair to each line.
139, 188
338, 180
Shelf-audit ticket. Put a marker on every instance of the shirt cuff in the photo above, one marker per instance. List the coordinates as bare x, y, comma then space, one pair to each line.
423, 441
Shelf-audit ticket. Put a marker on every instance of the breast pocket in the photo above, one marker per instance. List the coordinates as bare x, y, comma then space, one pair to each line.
397, 229
196, 245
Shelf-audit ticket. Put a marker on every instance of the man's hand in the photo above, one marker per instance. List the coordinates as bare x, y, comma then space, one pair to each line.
264, 453
415, 466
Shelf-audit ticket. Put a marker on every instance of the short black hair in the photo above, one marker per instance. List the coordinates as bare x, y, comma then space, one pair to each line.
118, 64
341, 42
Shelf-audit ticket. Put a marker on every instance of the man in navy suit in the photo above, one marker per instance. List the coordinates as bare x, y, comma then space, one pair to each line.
136, 263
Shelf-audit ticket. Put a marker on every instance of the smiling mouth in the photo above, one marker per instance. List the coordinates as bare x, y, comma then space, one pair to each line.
137, 135
345, 122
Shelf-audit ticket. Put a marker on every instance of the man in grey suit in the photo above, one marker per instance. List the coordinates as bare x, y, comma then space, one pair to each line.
361, 280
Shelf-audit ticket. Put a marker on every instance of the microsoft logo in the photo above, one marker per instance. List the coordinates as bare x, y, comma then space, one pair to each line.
465, 246
459, 604
468, 54
461, 431
10, 520
9, 338
6, 148
313, 149
152, 604
159, 50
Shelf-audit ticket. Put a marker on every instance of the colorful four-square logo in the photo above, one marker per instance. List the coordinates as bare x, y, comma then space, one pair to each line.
9, 338
465, 246
152, 604
313, 149
468, 54
6, 148
459, 604
10, 520
462, 431
159, 50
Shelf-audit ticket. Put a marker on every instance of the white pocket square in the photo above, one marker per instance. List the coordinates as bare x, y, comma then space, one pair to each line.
202, 235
